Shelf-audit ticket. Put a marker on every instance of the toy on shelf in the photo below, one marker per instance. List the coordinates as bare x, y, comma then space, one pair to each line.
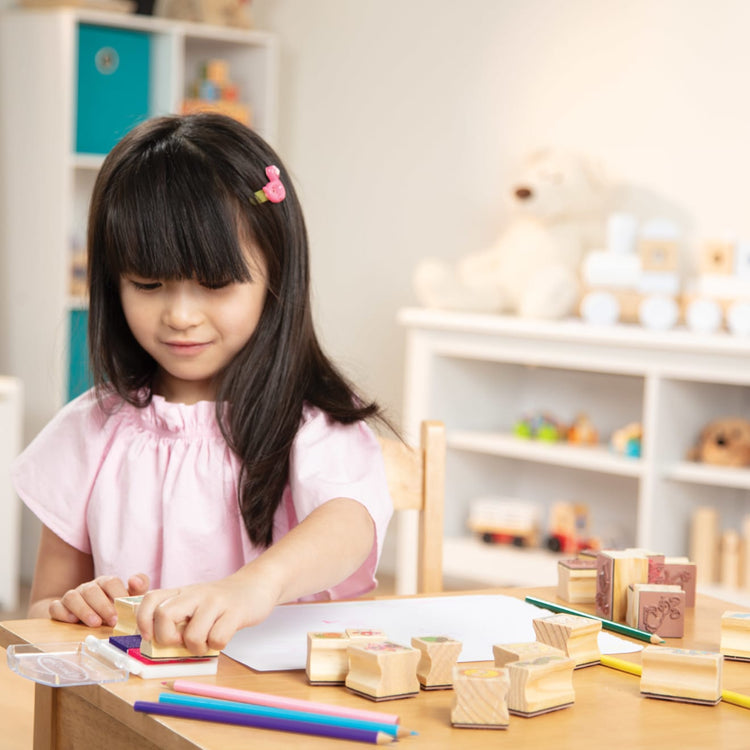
568, 530
438, 657
575, 636
735, 635
480, 699
499, 521
576, 580
636, 278
720, 556
540, 426
382, 670
217, 12
723, 442
720, 294
627, 440
656, 608
532, 268
213, 91
582, 431
681, 675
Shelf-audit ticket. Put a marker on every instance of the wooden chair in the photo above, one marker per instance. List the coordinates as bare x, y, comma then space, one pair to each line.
416, 480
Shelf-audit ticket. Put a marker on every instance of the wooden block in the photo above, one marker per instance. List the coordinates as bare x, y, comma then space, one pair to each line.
480, 698
729, 560
327, 661
680, 674
658, 254
126, 608
704, 543
382, 670
539, 685
361, 635
576, 580
657, 608
156, 651
505, 653
616, 570
677, 571
735, 635
717, 256
438, 656
576, 636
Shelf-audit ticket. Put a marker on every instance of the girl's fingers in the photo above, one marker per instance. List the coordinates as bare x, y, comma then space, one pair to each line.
138, 584
75, 602
58, 611
147, 615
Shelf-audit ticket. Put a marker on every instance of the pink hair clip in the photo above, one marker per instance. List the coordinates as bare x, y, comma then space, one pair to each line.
274, 191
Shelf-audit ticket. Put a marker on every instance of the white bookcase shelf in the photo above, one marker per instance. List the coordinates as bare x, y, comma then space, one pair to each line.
482, 373
46, 184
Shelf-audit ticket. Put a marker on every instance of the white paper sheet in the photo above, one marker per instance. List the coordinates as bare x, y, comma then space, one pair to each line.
478, 621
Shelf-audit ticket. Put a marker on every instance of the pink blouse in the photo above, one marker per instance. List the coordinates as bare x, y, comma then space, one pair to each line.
154, 490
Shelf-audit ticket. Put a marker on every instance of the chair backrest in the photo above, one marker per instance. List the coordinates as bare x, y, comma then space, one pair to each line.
416, 480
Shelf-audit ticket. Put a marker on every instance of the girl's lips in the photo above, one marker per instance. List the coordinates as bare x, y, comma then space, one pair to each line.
186, 347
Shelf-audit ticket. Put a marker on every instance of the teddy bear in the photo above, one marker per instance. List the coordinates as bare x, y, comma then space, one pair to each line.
558, 213
723, 442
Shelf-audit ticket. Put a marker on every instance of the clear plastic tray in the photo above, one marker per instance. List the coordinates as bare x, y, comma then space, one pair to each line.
63, 664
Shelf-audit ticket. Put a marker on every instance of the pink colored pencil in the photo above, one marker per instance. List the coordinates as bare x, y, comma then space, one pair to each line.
277, 701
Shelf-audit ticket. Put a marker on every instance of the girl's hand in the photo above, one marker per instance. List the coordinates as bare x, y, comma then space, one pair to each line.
205, 616
92, 603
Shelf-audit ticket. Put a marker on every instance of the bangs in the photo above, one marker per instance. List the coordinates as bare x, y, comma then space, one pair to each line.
171, 217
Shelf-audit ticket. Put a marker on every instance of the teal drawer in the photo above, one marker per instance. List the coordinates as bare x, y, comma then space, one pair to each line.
79, 376
113, 85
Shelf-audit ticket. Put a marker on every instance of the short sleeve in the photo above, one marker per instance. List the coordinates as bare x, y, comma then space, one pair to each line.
330, 460
54, 474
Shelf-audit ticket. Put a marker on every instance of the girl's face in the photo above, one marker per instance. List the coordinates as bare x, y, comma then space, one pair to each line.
192, 331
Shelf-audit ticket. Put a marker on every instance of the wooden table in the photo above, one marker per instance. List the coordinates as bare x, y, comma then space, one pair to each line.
608, 711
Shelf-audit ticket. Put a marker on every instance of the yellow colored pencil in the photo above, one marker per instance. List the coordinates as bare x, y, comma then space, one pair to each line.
728, 696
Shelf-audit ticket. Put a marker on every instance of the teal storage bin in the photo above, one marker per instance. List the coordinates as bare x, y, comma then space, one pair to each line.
79, 374
113, 85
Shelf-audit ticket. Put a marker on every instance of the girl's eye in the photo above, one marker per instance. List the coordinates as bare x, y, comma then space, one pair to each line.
145, 286
215, 286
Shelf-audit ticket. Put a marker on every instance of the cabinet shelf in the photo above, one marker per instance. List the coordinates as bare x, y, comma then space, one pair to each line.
481, 373
587, 458
712, 476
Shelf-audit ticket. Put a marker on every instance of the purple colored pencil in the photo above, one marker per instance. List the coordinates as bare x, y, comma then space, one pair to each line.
263, 722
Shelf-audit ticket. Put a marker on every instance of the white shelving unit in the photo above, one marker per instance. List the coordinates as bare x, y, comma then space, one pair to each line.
45, 184
481, 373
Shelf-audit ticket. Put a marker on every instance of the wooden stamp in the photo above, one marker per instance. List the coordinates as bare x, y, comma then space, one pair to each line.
126, 608
615, 571
438, 656
480, 698
680, 674
540, 685
704, 543
382, 670
156, 651
327, 661
735, 635
657, 608
675, 571
576, 636
505, 653
576, 580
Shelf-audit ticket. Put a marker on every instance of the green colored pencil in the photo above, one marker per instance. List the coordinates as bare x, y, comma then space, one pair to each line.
615, 627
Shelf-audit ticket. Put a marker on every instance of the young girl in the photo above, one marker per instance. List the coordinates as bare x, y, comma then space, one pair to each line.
221, 463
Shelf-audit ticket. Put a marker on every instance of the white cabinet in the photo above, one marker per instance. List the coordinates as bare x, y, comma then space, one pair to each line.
45, 182
481, 373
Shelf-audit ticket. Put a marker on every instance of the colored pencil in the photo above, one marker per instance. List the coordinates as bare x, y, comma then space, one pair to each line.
615, 627
263, 722
181, 699
276, 701
728, 696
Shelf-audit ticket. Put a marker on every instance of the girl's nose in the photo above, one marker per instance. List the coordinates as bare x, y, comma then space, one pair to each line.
182, 309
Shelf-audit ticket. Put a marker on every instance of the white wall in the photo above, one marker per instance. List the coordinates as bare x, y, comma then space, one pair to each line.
403, 120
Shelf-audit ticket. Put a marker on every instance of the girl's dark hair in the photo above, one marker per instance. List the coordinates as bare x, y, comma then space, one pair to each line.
173, 200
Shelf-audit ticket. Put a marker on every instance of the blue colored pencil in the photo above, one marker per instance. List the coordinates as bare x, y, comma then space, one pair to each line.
263, 722
177, 699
